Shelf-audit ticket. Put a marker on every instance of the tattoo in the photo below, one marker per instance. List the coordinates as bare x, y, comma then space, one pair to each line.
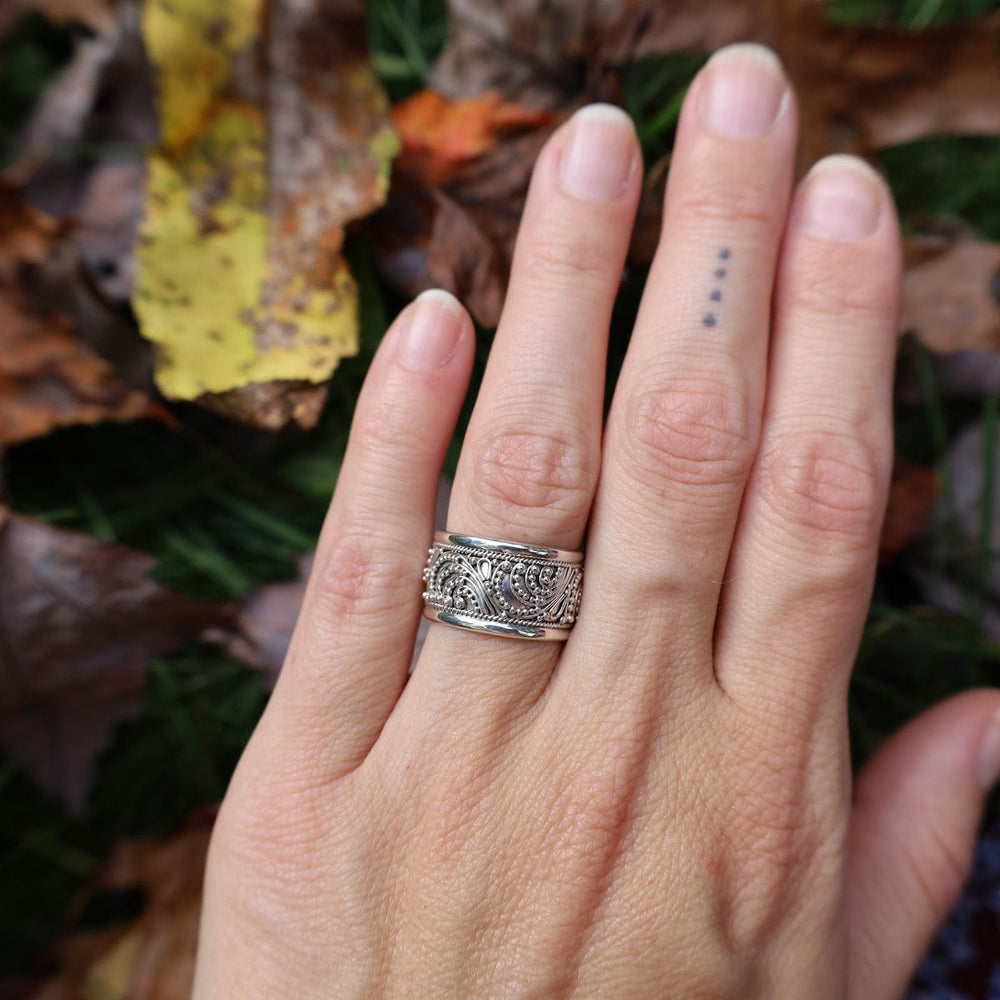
716, 294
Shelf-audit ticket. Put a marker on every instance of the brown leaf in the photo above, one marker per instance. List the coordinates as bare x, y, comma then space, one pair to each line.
440, 136
79, 621
152, 957
49, 377
950, 299
859, 88
528, 50
269, 405
459, 236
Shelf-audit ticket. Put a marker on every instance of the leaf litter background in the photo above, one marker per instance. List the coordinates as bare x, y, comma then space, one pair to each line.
198, 255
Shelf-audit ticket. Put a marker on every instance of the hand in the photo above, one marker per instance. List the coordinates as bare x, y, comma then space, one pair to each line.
661, 807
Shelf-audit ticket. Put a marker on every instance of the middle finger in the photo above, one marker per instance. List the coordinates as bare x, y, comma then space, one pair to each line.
684, 424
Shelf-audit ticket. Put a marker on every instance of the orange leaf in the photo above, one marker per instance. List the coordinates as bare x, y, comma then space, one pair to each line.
439, 135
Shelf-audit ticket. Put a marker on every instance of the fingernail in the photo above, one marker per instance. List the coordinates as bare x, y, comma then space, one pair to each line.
431, 330
601, 153
989, 755
842, 199
743, 92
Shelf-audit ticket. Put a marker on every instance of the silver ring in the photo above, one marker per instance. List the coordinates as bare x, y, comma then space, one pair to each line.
502, 588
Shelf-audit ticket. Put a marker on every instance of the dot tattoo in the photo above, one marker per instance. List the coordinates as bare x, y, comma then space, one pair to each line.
716, 294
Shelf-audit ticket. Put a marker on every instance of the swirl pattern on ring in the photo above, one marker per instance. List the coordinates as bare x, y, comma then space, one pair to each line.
495, 586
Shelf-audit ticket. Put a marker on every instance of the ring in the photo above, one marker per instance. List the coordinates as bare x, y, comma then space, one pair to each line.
502, 588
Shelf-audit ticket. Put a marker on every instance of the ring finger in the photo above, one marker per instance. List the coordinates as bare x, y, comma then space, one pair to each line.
531, 456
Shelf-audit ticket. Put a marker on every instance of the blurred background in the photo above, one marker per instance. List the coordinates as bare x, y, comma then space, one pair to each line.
210, 210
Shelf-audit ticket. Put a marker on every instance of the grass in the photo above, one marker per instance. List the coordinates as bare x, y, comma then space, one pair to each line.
225, 509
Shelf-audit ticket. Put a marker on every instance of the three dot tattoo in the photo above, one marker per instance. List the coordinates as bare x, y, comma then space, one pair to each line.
716, 296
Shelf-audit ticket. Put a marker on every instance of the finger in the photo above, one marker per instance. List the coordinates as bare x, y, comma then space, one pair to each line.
683, 426
531, 454
351, 648
804, 556
917, 805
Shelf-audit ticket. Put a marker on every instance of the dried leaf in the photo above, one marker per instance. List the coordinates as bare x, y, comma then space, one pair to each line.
101, 102
241, 280
79, 620
459, 236
49, 377
441, 135
152, 957
950, 300
531, 51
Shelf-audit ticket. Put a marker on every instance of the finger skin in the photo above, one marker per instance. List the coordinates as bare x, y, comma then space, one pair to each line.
803, 560
917, 805
683, 425
531, 455
351, 648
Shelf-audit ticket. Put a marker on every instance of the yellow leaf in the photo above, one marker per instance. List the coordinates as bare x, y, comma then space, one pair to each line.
192, 44
240, 278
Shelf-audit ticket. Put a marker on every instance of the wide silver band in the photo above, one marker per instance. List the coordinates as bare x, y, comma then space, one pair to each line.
502, 588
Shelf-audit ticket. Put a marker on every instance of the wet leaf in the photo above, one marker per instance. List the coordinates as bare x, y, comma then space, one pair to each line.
49, 376
241, 281
79, 621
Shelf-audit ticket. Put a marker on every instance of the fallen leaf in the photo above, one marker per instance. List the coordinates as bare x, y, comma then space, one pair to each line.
912, 495
102, 102
534, 52
240, 277
152, 957
79, 621
951, 299
440, 135
49, 376
459, 236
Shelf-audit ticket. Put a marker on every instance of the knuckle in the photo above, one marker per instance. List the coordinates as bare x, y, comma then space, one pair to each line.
356, 581
723, 201
533, 470
381, 428
695, 432
574, 260
827, 489
835, 291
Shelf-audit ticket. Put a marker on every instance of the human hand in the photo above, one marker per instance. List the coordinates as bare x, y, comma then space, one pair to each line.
662, 806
